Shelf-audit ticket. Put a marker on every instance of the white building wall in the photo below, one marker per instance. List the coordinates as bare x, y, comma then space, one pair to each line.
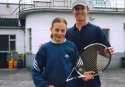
40, 24
115, 24
19, 38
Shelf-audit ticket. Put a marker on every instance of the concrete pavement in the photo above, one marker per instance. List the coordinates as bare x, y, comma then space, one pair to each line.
113, 78
22, 78
15, 78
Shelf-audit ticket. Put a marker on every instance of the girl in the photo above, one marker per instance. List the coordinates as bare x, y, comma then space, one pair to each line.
55, 59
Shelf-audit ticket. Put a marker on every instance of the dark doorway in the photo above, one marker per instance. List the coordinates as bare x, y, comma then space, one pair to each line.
3, 60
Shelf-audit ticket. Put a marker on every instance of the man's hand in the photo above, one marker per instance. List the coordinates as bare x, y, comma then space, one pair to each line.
109, 50
88, 75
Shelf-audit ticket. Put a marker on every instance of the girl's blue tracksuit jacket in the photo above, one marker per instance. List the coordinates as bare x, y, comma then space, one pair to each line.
53, 63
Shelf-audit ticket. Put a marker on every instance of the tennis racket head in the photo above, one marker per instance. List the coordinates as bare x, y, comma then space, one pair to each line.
94, 57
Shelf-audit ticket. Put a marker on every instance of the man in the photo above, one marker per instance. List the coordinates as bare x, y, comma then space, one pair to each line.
84, 33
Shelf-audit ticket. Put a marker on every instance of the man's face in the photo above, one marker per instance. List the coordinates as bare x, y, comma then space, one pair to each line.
58, 32
80, 12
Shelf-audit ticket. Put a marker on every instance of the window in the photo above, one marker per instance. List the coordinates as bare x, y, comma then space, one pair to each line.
4, 43
12, 42
30, 39
106, 31
123, 25
8, 42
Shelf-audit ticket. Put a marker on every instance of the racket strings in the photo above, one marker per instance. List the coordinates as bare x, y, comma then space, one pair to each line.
103, 59
94, 58
80, 66
80, 62
89, 59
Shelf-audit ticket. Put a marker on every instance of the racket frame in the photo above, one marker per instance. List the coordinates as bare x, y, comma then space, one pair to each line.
81, 75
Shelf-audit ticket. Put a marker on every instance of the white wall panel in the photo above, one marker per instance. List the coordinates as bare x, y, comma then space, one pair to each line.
115, 24
40, 24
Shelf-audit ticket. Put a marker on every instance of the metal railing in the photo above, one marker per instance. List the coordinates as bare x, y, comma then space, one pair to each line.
106, 5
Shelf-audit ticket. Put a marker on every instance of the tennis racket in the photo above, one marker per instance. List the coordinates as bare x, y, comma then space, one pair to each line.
93, 57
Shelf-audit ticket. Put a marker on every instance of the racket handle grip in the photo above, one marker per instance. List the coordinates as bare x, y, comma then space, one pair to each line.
75, 78
81, 76
69, 79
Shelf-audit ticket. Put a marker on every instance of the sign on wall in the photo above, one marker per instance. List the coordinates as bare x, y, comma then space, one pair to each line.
98, 3
107, 3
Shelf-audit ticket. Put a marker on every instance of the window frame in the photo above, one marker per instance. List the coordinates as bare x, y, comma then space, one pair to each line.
9, 44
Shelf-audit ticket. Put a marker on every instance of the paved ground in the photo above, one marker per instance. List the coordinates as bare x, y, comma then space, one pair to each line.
15, 78
22, 78
113, 78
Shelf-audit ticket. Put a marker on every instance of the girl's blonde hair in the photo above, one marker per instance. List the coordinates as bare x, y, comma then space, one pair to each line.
58, 20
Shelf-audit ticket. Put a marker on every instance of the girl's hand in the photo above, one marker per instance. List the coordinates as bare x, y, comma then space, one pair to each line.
51, 85
88, 75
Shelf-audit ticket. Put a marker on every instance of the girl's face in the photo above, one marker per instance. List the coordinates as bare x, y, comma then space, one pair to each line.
58, 32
